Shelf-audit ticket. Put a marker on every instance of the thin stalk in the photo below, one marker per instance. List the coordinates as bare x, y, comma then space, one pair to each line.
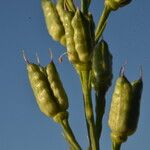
88, 108
88, 129
99, 110
116, 146
71, 5
69, 135
84, 6
102, 23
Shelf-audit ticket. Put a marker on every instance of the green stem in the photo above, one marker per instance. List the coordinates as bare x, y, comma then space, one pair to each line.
102, 23
84, 6
71, 5
69, 135
99, 110
84, 76
116, 146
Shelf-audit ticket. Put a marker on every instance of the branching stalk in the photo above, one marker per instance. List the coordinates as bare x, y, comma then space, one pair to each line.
99, 110
102, 23
71, 5
88, 108
69, 135
85, 5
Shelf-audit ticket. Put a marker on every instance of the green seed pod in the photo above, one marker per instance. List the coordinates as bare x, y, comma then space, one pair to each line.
82, 36
60, 9
53, 22
125, 108
43, 94
72, 54
115, 4
137, 87
56, 86
66, 17
101, 67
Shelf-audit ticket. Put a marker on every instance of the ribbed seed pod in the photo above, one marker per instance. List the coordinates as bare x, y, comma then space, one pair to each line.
72, 54
82, 36
56, 86
66, 17
43, 94
60, 9
121, 107
115, 4
101, 66
125, 108
53, 22
137, 87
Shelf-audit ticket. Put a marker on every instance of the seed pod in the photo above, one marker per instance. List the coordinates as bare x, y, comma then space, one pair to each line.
82, 36
121, 107
137, 87
53, 22
125, 108
56, 86
61, 10
101, 67
43, 94
115, 4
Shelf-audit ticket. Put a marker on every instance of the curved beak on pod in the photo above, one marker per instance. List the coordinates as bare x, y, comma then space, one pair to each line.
115, 4
125, 108
101, 67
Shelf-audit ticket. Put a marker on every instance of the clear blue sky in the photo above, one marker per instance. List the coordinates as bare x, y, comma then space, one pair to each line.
22, 125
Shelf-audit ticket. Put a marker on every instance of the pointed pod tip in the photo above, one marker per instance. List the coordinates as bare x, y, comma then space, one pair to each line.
122, 69
50, 54
37, 58
141, 73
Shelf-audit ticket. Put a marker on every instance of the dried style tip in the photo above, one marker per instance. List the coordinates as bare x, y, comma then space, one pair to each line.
50, 54
25, 57
141, 72
122, 69
37, 59
61, 56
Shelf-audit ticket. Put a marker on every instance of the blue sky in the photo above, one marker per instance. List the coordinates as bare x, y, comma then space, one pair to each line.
22, 125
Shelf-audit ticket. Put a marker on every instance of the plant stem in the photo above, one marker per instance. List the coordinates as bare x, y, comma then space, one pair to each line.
84, 76
116, 146
84, 6
71, 5
99, 110
69, 135
102, 23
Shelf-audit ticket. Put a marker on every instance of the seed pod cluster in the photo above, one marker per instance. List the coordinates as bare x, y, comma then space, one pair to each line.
101, 66
53, 22
115, 4
72, 25
48, 89
42, 92
125, 108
